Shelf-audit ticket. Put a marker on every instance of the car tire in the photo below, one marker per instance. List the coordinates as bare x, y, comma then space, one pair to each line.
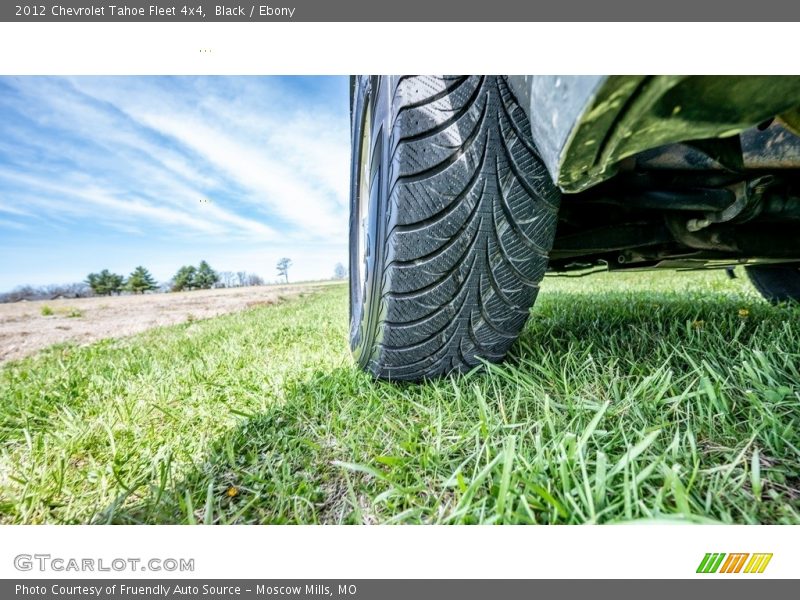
776, 283
452, 218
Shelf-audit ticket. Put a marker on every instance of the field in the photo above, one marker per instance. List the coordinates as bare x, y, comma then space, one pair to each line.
26, 327
630, 397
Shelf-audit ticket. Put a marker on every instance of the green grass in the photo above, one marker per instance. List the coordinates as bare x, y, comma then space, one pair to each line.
629, 397
66, 311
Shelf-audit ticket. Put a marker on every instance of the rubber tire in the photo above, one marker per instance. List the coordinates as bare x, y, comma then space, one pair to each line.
776, 283
461, 217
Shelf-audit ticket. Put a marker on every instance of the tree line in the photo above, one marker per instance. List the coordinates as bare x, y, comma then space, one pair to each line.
188, 277
140, 281
106, 283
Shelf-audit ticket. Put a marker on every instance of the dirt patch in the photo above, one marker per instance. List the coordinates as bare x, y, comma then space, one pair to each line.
26, 327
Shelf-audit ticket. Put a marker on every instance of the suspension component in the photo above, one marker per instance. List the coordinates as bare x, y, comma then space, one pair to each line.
747, 204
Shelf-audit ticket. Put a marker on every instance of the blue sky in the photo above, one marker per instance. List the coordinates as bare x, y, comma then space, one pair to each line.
113, 172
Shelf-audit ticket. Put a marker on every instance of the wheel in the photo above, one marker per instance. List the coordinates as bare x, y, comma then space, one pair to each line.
777, 283
452, 218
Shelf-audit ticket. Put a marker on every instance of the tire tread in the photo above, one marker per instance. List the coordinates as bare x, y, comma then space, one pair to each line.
472, 215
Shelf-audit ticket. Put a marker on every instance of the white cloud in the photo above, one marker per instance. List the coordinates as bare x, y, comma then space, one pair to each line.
273, 183
292, 159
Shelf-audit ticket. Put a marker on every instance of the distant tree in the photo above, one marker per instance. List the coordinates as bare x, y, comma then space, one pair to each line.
206, 277
283, 268
227, 279
184, 279
22, 292
94, 281
140, 281
76, 290
339, 272
105, 283
47, 292
253, 279
63, 290
115, 283
230, 279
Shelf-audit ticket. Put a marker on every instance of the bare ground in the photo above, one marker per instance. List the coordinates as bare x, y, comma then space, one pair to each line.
24, 328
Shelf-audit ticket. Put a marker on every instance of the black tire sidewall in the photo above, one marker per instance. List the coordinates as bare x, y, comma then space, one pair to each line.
369, 91
776, 283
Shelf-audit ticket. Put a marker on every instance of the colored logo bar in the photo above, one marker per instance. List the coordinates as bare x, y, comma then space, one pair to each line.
737, 562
